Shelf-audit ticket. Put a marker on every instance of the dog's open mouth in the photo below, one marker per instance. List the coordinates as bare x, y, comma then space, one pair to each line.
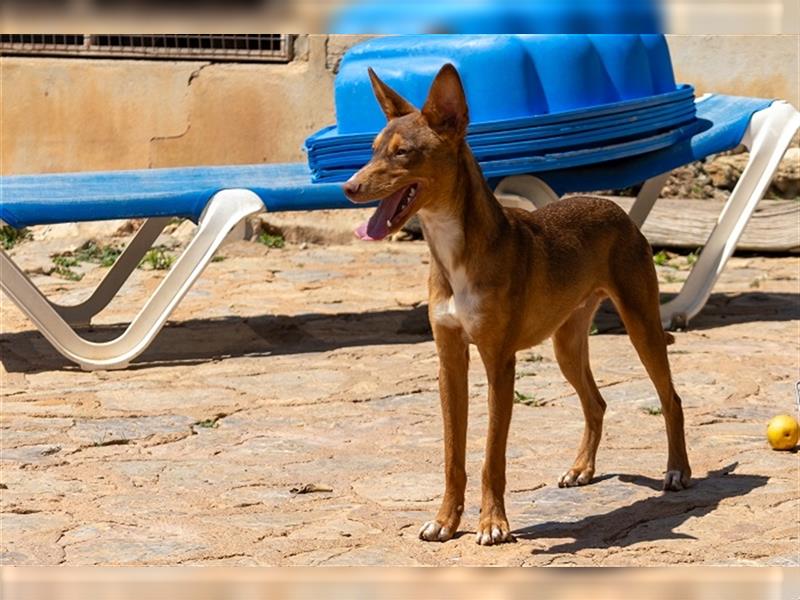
391, 212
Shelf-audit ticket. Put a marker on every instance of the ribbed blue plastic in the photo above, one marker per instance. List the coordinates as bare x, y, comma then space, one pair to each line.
505, 76
530, 140
528, 95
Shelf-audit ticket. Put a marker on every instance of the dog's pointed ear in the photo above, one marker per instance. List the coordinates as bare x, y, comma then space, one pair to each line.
445, 109
392, 103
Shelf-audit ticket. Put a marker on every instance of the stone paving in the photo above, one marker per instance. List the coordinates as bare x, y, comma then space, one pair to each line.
311, 367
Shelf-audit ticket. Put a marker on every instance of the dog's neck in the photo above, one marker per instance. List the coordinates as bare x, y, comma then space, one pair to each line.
463, 214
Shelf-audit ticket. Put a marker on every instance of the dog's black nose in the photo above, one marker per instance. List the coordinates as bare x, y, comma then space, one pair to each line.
351, 188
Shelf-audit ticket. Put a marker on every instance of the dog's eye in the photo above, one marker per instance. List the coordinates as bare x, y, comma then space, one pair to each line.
401, 152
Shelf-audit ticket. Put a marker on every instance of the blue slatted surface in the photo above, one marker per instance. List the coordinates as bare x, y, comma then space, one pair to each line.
182, 192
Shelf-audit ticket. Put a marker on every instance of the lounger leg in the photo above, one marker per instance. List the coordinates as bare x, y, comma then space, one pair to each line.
81, 314
222, 213
768, 136
535, 193
647, 198
532, 192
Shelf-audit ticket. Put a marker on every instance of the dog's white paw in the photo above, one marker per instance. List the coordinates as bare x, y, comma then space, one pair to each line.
489, 535
675, 481
433, 531
574, 477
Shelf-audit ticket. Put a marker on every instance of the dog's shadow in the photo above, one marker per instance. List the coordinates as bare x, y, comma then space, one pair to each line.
650, 519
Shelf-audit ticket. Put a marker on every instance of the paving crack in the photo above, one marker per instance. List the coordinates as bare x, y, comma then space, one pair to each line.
224, 556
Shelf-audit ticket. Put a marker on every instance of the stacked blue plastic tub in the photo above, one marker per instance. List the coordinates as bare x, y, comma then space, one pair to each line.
537, 102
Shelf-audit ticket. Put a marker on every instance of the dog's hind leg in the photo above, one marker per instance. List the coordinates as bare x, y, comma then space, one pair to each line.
571, 345
636, 299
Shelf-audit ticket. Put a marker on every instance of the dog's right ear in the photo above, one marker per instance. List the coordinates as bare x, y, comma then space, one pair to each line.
446, 107
392, 103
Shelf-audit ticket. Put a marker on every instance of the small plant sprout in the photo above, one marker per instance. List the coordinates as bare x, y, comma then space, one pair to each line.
157, 259
520, 398
63, 267
96, 253
272, 240
90, 252
661, 258
10, 237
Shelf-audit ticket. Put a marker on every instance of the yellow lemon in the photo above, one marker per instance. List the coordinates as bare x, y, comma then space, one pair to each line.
782, 432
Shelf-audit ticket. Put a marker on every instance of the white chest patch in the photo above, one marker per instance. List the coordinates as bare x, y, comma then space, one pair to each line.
444, 313
460, 310
466, 301
445, 237
463, 308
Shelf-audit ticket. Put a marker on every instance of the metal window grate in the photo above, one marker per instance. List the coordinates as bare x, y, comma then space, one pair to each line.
41, 42
271, 47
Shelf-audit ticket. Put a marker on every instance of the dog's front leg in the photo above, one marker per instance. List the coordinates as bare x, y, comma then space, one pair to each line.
453, 366
493, 525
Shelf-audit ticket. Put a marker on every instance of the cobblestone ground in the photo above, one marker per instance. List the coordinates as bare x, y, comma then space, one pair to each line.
312, 365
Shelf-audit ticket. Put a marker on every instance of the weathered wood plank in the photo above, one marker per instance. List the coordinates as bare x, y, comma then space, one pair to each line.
676, 223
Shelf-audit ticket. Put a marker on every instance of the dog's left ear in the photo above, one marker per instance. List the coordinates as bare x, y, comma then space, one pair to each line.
445, 109
392, 103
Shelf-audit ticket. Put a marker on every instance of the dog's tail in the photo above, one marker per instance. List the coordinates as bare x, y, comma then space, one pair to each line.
669, 338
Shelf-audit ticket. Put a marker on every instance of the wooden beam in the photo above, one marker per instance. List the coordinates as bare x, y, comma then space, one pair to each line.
676, 223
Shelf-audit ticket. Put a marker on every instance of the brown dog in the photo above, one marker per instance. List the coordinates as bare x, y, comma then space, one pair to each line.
505, 280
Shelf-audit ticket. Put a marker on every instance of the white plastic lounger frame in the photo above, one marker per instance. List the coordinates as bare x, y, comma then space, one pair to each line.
767, 137
222, 213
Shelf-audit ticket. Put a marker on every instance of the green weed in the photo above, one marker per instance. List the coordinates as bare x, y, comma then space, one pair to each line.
10, 236
661, 258
63, 267
157, 259
96, 253
520, 398
90, 252
272, 240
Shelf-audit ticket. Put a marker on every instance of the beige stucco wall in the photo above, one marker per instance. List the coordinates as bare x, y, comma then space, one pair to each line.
766, 66
62, 114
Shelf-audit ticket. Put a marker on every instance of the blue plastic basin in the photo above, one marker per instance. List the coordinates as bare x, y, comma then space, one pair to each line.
534, 100
505, 77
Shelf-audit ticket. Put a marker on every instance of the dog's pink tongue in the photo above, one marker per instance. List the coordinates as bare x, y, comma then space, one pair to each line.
376, 229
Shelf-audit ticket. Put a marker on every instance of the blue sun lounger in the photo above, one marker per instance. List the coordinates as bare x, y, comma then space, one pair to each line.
219, 198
